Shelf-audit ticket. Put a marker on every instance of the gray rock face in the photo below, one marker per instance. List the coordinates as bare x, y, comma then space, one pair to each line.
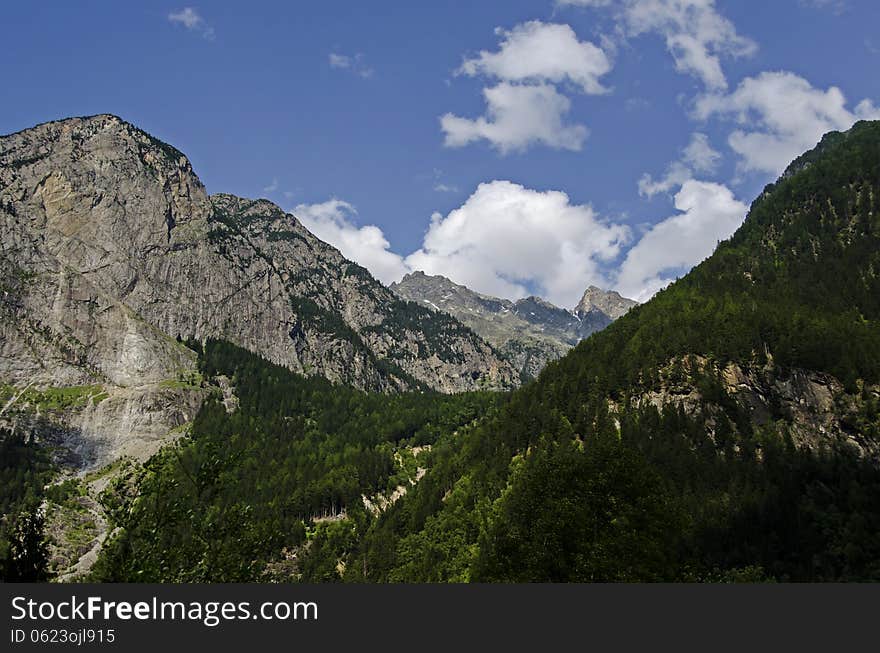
114, 422
119, 223
606, 302
529, 332
111, 249
814, 406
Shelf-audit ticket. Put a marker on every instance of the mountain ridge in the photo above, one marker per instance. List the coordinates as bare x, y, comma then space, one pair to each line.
113, 254
529, 332
727, 430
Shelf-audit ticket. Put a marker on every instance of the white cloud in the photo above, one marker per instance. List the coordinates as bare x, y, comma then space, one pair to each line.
698, 156
676, 174
517, 116
525, 107
585, 3
781, 115
331, 221
339, 60
696, 35
354, 64
272, 187
506, 239
509, 241
539, 52
440, 187
708, 213
190, 18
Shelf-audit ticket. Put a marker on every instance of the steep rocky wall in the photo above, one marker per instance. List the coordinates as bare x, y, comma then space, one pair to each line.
813, 408
112, 252
97, 198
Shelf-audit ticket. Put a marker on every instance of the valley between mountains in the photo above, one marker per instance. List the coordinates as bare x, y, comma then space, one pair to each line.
196, 388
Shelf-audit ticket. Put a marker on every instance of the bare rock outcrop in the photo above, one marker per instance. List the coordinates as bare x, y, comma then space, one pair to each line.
112, 254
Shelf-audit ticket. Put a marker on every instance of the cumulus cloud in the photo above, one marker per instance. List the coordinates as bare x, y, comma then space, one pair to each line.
676, 174
698, 157
541, 52
511, 241
507, 240
192, 20
354, 64
525, 107
780, 116
708, 213
332, 222
696, 35
517, 116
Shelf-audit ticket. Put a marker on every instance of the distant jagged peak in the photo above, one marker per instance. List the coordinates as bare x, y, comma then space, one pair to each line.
538, 301
609, 302
420, 276
416, 282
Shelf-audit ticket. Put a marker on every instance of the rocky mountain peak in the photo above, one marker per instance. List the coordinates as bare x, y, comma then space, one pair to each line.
417, 275
609, 302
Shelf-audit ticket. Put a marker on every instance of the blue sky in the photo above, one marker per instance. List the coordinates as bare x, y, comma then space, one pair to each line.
517, 147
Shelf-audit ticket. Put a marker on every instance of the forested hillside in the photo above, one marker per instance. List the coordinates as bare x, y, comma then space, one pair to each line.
255, 477
689, 440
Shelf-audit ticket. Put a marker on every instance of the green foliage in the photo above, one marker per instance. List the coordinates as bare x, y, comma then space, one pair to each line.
699, 496
596, 513
61, 493
54, 398
800, 280
24, 470
23, 550
220, 505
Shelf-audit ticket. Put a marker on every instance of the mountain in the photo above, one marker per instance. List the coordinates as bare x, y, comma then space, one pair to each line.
726, 430
114, 255
529, 332
606, 302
